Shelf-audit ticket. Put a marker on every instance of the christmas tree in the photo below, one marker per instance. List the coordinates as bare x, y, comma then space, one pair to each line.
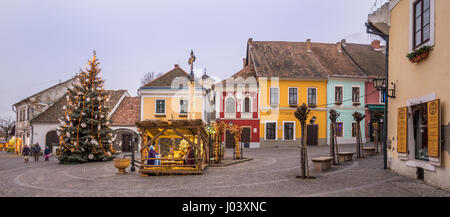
84, 134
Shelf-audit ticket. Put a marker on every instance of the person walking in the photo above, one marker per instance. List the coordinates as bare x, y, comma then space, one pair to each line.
36, 152
47, 152
26, 153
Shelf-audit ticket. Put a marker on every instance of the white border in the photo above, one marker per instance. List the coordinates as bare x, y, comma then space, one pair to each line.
359, 87
334, 95
179, 103
289, 95
165, 107
293, 136
307, 92
270, 96
265, 130
225, 102
431, 42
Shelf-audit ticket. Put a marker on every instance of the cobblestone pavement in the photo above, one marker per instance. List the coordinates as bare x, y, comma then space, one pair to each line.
272, 172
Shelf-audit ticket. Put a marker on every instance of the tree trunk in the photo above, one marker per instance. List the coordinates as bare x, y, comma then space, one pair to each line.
336, 145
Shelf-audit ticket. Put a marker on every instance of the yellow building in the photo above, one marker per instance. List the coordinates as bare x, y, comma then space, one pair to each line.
171, 97
419, 115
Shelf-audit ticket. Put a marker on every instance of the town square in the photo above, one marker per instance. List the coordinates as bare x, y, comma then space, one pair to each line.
156, 99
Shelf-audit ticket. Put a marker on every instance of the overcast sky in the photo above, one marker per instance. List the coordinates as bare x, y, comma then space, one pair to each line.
44, 42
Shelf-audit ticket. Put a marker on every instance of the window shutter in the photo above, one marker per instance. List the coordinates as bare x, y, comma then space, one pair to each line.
402, 130
434, 127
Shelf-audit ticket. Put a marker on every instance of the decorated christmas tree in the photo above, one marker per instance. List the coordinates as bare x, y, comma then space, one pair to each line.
84, 134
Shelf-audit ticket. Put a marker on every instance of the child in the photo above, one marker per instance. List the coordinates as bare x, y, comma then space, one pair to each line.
26, 153
47, 153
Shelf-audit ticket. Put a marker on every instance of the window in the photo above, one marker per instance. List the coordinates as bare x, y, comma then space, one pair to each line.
183, 106
28, 113
274, 96
247, 104
230, 105
354, 128
312, 96
339, 129
289, 131
293, 95
271, 130
160, 106
355, 94
421, 22
420, 128
338, 94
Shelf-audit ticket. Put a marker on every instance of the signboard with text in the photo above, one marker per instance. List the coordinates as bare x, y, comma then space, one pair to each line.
402, 130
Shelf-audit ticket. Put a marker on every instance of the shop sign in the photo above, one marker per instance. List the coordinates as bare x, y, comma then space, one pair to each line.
433, 128
402, 130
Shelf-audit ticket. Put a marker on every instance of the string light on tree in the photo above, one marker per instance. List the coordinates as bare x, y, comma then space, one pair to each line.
84, 132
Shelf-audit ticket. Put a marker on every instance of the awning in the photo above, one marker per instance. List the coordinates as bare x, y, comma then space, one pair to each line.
375, 107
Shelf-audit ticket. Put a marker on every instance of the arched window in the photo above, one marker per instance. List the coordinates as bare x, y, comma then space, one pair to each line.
247, 104
230, 105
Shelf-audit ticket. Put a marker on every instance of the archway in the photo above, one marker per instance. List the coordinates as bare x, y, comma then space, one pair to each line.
124, 139
51, 139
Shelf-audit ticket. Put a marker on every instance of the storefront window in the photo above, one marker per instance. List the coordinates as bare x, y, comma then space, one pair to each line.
420, 127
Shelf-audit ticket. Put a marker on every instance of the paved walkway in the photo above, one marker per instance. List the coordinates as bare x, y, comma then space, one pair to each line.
272, 172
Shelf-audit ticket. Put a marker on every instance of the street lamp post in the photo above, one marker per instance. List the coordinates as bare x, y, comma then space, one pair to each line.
373, 30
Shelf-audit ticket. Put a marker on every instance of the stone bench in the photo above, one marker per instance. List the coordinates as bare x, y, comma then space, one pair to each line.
369, 151
346, 156
322, 163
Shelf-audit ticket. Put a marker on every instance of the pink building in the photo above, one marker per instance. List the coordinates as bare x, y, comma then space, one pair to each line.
237, 104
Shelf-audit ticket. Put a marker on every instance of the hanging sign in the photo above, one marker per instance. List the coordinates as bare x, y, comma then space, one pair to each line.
433, 128
402, 130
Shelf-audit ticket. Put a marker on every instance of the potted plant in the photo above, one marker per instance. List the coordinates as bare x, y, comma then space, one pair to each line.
419, 54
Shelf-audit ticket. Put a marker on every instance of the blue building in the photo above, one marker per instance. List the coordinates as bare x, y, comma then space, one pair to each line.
346, 96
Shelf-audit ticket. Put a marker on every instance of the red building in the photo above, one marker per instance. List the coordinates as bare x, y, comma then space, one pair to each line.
237, 104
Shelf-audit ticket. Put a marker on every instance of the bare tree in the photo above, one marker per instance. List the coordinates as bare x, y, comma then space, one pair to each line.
7, 126
149, 76
301, 114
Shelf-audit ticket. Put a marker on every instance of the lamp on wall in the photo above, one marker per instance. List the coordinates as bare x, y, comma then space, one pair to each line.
380, 84
313, 119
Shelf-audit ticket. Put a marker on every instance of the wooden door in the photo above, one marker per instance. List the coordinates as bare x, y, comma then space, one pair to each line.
312, 132
229, 139
246, 136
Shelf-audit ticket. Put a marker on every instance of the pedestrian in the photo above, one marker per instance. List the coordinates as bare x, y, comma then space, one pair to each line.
26, 153
47, 153
36, 152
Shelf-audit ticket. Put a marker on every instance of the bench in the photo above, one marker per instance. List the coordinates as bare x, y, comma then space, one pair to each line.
322, 163
346, 156
369, 151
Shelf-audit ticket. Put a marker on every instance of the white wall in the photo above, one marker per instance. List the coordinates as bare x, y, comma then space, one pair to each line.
40, 131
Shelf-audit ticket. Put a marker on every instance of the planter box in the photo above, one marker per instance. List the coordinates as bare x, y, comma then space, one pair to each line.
420, 57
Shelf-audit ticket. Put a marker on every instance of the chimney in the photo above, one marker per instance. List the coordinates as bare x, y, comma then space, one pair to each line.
176, 65
343, 42
339, 47
244, 62
250, 40
308, 45
376, 44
